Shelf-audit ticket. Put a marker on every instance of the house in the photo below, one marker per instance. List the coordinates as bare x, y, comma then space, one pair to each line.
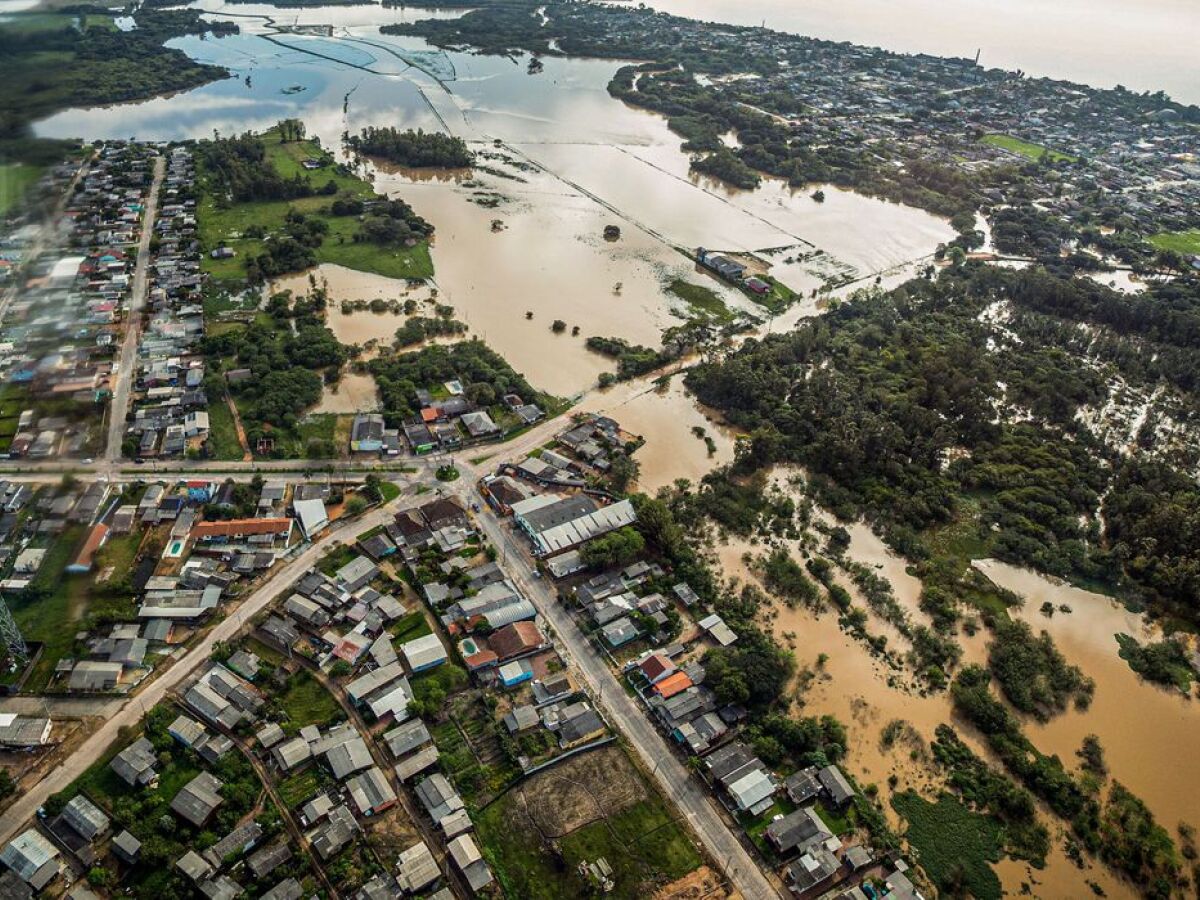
752, 792
86, 556
479, 424
655, 667
797, 831
198, 799
836, 787
85, 818
266, 860
580, 729
126, 848
404, 739
356, 574
371, 792
811, 870
423, 653
514, 673
802, 785
265, 531
240, 841
469, 860
416, 868
437, 797
366, 434
338, 830
718, 630
201, 491
312, 516
515, 640
32, 857
420, 438
135, 764
195, 423
23, 732
619, 632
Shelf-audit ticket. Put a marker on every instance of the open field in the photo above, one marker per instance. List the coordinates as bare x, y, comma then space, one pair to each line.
1024, 148
702, 300
1185, 242
306, 702
15, 180
590, 806
224, 225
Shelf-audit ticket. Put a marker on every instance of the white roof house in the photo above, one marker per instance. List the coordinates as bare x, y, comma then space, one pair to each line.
423, 653
312, 515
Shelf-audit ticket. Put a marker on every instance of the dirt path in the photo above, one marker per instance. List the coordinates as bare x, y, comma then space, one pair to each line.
247, 456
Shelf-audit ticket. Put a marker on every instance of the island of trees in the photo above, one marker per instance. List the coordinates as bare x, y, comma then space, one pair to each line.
415, 149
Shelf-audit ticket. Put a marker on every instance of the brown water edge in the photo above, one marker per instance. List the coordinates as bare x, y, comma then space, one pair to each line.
1149, 733
864, 694
665, 418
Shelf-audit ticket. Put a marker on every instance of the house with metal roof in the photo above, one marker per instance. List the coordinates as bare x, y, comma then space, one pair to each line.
32, 857
438, 797
465, 853
423, 653
85, 818
135, 764
555, 523
20, 732
416, 868
835, 785
338, 829
198, 799
371, 792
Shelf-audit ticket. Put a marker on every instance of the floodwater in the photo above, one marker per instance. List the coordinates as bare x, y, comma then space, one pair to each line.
1147, 45
665, 418
353, 393
522, 233
1149, 733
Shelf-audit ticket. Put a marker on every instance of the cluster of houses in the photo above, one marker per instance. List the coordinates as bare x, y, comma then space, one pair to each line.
60, 333
732, 271
445, 424
169, 412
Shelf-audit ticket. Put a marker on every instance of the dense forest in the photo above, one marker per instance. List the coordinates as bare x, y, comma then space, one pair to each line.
50, 69
912, 408
415, 149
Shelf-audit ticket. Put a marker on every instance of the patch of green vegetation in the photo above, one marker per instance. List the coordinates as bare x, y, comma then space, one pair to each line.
46, 609
410, 627
702, 299
242, 225
1024, 148
389, 491
954, 846
15, 181
642, 843
223, 441
298, 788
1163, 662
306, 702
336, 558
1185, 242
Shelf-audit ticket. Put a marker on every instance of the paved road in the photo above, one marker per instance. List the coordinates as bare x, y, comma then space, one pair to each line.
694, 801
16, 816
127, 359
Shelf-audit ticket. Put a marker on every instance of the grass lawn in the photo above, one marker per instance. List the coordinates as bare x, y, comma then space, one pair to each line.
952, 843
15, 180
701, 299
336, 558
56, 600
1185, 242
306, 702
410, 627
390, 491
1024, 148
223, 225
222, 434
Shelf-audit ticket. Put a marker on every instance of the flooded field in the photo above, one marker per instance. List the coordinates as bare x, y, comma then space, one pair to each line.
559, 160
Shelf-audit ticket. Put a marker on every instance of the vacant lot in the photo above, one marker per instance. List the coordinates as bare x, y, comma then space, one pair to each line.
1024, 148
953, 844
1185, 242
593, 805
